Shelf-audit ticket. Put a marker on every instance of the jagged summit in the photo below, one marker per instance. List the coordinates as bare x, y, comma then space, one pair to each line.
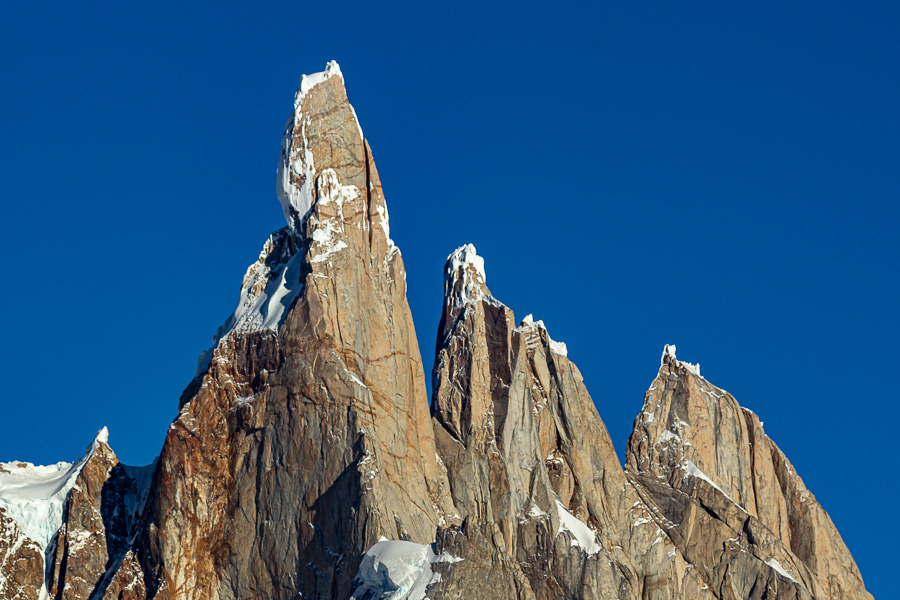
33, 495
668, 357
701, 460
308, 81
311, 405
333, 203
102, 436
530, 326
308, 145
305, 461
465, 281
465, 285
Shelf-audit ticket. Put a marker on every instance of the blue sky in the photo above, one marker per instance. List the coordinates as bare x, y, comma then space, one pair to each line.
721, 178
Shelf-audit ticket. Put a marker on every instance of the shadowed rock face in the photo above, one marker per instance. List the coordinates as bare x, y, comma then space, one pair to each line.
306, 438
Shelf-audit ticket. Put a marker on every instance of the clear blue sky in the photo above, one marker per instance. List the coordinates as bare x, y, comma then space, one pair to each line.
634, 174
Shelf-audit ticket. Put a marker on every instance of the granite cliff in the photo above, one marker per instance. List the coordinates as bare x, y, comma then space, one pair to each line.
306, 462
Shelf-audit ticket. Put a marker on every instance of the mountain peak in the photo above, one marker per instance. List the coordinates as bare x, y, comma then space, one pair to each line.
465, 281
308, 81
530, 327
102, 436
305, 462
321, 133
668, 358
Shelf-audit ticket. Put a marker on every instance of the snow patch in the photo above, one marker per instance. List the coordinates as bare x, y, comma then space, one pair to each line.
325, 242
777, 566
582, 535
398, 570
268, 290
385, 222
559, 347
694, 471
667, 436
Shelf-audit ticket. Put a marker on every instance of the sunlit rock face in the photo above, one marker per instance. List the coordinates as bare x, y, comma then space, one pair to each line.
305, 461
306, 438
741, 514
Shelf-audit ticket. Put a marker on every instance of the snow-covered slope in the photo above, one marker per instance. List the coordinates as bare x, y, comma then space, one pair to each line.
33, 495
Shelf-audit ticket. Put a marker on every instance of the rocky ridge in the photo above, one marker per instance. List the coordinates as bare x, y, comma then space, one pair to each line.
304, 461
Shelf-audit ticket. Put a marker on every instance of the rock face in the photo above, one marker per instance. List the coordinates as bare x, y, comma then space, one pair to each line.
304, 461
100, 519
305, 439
702, 461
21, 562
81, 516
531, 465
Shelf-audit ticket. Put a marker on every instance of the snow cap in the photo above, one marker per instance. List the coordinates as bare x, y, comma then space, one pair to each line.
102, 436
528, 323
668, 357
296, 174
464, 278
308, 82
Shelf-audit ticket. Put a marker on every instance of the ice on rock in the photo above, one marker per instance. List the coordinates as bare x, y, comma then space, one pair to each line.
308, 82
669, 351
465, 263
324, 233
692, 470
398, 570
582, 535
268, 290
779, 569
299, 160
529, 323
296, 174
667, 436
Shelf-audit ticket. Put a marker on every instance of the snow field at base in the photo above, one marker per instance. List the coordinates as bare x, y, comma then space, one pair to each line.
398, 570
582, 535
